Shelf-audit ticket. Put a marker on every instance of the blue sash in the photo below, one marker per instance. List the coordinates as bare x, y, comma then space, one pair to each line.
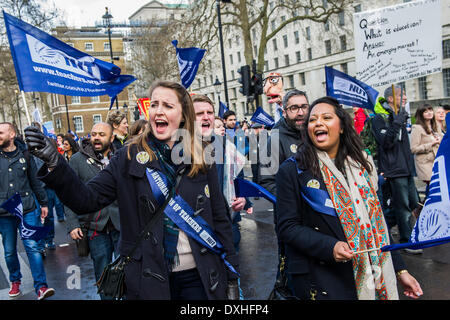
318, 199
181, 213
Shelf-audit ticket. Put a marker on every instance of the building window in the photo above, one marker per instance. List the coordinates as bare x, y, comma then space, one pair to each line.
291, 81
105, 46
302, 78
309, 51
78, 123
343, 40
298, 56
357, 8
76, 100
276, 63
95, 99
423, 93
308, 33
344, 68
266, 65
327, 47
231, 58
255, 50
88, 46
244, 107
341, 18
273, 25
286, 60
230, 43
274, 42
285, 41
232, 74
297, 37
326, 26
446, 49
97, 118
239, 57
446, 78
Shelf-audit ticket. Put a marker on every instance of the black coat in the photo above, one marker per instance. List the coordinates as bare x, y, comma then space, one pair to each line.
309, 238
395, 159
18, 174
146, 276
288, 140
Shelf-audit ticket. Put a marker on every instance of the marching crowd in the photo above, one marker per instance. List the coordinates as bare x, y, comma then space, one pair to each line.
112, 185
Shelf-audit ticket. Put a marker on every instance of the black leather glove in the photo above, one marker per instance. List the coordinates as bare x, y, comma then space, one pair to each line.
41, 147
233, 290
401, 117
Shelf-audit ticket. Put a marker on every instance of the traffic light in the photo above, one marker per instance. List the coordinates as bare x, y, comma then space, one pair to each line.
245, 81
257, 81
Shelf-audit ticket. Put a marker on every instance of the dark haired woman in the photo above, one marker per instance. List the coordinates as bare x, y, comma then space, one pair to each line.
137, 127
328, 212
70, 147
171, 262
425, 140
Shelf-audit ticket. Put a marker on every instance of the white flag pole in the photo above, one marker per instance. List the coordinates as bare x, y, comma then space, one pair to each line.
26, 108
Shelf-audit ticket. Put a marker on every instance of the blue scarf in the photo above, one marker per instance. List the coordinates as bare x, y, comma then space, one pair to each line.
171, 231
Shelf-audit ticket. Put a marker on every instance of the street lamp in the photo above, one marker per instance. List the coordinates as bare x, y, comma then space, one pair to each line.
222, 53
107, 22
125, 109
217, 85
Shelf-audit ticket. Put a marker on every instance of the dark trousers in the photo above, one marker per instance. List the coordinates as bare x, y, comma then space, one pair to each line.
404, 200
186, 285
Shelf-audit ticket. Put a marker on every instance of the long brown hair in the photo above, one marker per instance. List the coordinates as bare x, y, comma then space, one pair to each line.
192, 148
420, 119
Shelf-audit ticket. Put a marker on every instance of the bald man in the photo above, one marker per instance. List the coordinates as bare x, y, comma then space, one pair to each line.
101, 228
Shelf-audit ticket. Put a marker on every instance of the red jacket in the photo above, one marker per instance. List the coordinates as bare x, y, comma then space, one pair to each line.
359, 119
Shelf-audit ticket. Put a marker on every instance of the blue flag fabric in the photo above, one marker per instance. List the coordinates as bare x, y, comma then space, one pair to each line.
349, 91
76, 138
46, 64
48, 134
246, 188
188, 62
14, 206
262, 117
433, 225
222, 109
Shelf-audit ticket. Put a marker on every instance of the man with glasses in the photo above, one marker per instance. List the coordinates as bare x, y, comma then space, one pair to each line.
287, 132
286, 136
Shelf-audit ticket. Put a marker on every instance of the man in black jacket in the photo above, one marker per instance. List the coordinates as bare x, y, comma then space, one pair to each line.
102, 227
19, 175
287, 133
396, 161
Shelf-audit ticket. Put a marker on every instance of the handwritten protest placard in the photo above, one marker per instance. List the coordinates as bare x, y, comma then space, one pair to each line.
398, 43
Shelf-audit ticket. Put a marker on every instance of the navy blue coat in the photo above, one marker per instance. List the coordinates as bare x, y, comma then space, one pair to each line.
309, 238
146, 276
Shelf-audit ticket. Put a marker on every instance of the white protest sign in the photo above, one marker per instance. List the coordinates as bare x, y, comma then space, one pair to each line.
398, 43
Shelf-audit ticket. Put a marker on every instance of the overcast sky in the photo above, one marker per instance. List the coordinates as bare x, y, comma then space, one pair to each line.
79, 13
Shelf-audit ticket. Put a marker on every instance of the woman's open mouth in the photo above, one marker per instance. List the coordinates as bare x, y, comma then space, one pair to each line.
321, 135
161, 126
